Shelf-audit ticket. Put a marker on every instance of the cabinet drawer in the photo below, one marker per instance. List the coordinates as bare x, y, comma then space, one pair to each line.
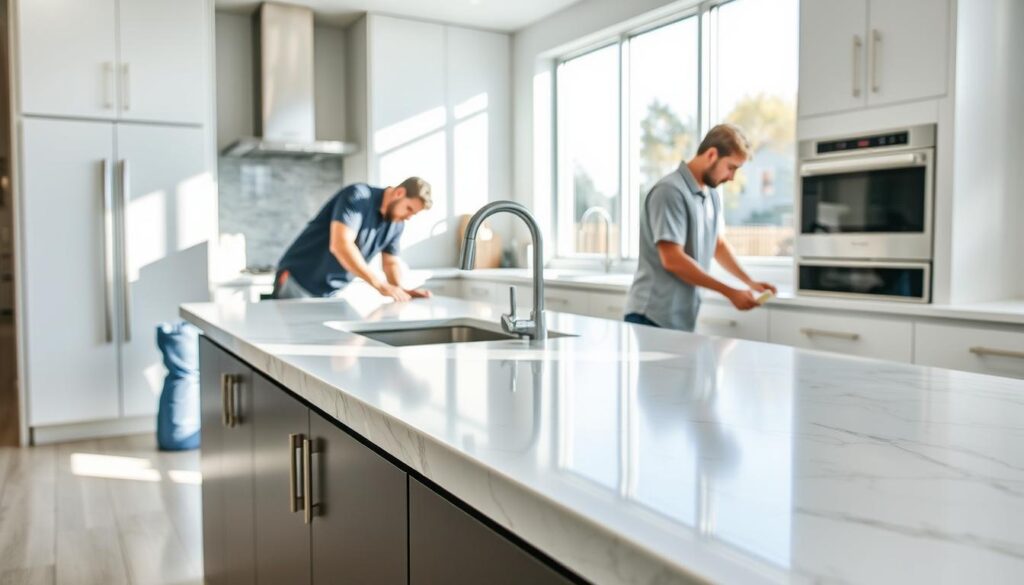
481, 291
608, 305
974, 349
726, 321
566, 301
445, 287
889, 339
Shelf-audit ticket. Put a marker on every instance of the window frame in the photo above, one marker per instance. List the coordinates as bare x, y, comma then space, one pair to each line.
706, 15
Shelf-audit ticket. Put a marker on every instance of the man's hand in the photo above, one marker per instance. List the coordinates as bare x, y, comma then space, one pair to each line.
395, 292
418, 293
741, 299
763, 286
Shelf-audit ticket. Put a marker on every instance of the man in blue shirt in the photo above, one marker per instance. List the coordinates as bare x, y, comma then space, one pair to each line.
350, 229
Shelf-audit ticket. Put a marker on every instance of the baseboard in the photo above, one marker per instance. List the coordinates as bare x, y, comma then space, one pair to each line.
92, 430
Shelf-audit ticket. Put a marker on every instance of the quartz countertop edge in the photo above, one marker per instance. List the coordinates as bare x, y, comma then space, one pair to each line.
583, 546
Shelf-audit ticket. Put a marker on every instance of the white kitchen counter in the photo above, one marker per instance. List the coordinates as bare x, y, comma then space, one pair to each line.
638, 455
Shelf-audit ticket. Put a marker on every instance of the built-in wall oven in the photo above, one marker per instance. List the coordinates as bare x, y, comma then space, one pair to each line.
865, 215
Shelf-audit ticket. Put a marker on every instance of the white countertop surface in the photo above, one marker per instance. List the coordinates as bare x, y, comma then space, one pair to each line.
638, 455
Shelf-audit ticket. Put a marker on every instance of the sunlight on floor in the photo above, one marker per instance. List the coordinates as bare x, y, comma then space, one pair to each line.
133, 468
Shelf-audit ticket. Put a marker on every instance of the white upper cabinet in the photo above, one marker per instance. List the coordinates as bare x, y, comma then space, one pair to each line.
832, 49
68, 57
142, 60
910, 41
164, 74
860, 53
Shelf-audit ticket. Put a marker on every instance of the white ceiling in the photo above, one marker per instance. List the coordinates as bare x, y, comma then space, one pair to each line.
503, 15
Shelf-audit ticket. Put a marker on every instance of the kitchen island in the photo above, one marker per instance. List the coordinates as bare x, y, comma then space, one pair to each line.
627, 454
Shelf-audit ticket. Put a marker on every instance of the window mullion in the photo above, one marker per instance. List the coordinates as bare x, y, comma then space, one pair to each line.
625, 205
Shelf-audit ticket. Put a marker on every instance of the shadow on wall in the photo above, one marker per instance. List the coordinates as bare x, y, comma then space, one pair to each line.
450, 151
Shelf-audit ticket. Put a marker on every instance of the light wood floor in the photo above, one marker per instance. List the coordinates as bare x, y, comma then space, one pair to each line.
104, 512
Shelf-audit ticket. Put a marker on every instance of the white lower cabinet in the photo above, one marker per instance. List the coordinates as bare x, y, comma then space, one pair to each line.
726, 321
564, 300
608, 305
481, 291
883, 338
445, 287
986, 350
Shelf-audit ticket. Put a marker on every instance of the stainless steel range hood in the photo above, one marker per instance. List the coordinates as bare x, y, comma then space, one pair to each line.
285, 119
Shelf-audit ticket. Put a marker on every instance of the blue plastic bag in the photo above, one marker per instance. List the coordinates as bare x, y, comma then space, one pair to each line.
177, 420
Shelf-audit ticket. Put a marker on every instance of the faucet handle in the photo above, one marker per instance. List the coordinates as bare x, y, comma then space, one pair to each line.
512, 302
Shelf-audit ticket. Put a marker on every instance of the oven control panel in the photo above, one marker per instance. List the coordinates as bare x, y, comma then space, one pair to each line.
861, 142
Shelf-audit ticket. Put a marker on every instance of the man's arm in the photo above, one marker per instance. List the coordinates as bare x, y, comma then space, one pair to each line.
343, 247
726, 256
393, 272
676, 261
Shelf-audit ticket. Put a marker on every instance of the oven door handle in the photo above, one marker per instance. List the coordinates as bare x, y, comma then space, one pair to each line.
865, 163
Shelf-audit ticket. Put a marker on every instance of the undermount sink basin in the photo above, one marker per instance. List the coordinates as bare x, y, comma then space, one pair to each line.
399, 334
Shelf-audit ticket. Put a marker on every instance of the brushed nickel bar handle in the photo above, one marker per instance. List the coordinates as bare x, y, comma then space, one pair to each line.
719, 321
293, 476
126, 88
307, 481
108, 253
810, 332
126, 288
982, 351
876, 38
224, 416
858, 47
233, 382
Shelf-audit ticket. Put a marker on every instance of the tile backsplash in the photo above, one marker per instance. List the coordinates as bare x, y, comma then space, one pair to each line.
269, 200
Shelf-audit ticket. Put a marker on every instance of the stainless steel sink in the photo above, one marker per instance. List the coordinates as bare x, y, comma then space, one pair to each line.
434, 335
429, 332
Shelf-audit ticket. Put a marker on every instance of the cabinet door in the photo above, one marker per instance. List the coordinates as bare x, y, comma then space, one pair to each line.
877, 337
282, 537
833, 52
726, 321
908, 45
987, 350
359, 527
67, 57
210, 458
70, 311
237, 476
447, 545
163, 71
170, 210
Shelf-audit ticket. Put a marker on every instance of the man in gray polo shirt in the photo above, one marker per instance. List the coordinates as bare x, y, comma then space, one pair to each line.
680, 232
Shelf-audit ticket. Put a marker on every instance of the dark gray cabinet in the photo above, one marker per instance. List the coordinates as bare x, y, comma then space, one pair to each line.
359, 526
282, 533
289, 497
447, 545
226, 386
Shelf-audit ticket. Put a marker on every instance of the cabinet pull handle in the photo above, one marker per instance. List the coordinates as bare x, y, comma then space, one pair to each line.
809, 332
294, 493
233, 383
718, 321
858, 47
126, 288
225, 417
876, 38
307, 481
108, 85
982, 351
108, 252
126, 87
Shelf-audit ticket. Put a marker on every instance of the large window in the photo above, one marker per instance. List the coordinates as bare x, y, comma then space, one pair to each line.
629, 112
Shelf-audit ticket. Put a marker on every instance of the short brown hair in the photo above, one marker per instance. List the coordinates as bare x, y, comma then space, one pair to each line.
417, 187
727, 139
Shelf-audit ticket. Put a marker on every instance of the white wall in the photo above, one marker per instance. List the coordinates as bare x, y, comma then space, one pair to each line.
531, 62
235, 90
988, 183
438, 104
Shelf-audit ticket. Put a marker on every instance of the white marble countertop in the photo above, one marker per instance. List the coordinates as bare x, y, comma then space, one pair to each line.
638, 455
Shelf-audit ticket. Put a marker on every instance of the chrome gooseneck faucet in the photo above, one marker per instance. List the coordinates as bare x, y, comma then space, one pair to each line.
534, 327
607, 217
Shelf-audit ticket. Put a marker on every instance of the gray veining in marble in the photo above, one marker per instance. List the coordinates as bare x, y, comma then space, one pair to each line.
270, 200
638, 455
